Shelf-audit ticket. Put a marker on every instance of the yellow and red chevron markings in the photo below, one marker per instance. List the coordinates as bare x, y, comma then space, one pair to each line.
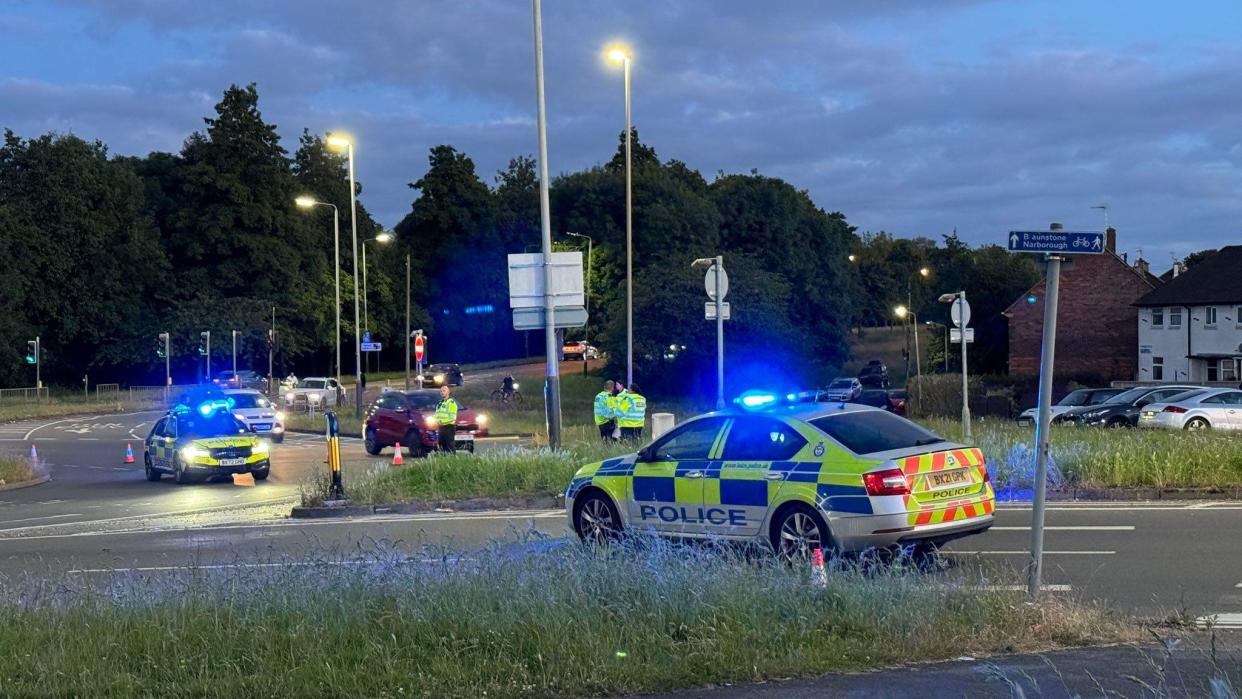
981, 503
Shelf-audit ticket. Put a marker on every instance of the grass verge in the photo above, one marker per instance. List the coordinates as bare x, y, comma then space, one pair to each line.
500, 473
11, 411
16, 471
525, 621
1108, 458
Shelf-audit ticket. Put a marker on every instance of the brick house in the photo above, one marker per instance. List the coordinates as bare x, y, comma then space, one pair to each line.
1097, 323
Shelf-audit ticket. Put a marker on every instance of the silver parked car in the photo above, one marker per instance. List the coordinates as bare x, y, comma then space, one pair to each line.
843, 389
1201, 409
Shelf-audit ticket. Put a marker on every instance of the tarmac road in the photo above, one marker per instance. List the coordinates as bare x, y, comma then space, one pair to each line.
1153, 559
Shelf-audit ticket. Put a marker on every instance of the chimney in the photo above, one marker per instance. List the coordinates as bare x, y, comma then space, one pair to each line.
1110, 239
1125, 257
1141, 265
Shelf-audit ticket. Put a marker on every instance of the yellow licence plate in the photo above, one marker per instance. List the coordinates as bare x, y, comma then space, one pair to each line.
944, 479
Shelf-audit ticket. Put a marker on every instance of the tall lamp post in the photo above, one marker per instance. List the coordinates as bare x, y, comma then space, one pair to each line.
382, 238
340, 141
623, 56
904, 313
307, 202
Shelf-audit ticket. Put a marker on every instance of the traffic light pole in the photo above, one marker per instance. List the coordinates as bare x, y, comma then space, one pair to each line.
553, 386
207, 378
38, 365
234, 332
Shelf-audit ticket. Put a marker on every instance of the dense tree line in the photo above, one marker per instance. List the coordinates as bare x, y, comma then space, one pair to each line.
103, 253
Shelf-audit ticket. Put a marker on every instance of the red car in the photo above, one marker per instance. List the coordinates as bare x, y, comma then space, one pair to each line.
409, 418
897, 401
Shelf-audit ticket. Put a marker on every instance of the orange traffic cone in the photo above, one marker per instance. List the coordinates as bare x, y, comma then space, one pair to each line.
34, 453
396, 456
129, 453
819, 576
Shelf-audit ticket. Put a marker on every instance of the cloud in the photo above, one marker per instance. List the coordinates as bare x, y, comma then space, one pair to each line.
867, 105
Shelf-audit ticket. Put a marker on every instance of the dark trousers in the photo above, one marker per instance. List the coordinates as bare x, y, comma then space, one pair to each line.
631, 434
605, 430
448, 438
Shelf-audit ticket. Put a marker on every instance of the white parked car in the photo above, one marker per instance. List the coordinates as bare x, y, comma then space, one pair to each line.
1074, 399
1202, 409
315, 391
845, 390
257, 413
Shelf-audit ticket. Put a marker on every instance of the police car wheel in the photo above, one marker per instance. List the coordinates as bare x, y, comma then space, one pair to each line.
180, 473
372, 444
261, 474
595, 518
152, 474
797, 531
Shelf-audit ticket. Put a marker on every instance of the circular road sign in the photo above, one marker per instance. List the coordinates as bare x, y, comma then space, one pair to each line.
960, 312
419, 345
709, 282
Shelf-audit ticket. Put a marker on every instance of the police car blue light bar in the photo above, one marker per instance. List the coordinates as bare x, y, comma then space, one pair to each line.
753, 400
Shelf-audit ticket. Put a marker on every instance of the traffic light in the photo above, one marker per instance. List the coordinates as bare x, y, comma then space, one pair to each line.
32, 352
271, 339
161, 346
204, 341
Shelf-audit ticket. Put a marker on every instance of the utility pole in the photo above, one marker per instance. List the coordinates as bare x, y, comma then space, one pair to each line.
407, 321
271, 352
961, 301
553, 386
234, 378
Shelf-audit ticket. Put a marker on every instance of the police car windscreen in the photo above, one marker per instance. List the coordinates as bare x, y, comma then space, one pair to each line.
872, 431
249, 400
215, 425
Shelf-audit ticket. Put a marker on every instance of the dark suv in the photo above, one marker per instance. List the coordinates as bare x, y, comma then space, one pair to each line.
873, 375
408, 418
1122, 410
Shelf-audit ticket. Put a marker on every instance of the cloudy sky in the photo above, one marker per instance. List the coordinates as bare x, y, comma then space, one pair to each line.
911, 116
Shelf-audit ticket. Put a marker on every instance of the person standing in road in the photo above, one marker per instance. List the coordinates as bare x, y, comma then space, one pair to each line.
633, 414
606, 410
446, 418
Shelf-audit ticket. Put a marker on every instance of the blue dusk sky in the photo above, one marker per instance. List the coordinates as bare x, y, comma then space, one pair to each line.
910, 116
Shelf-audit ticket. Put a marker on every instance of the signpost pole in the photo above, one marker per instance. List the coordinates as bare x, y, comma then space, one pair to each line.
553, 386
407, 321
1047, 352
720, 401
961, 300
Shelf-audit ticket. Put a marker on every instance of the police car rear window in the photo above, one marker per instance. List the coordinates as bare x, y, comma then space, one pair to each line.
873, 431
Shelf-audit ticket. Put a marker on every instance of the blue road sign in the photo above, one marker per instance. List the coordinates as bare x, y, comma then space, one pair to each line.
366, 336
1065, 242
372, 346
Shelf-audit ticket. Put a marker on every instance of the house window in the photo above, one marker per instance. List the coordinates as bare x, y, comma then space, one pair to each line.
1157, 317
1209, 317
1175, 317
1213, 370
1157, 368
1237, 316
1228, 370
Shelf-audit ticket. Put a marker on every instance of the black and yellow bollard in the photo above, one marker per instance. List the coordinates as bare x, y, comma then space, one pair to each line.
335, 490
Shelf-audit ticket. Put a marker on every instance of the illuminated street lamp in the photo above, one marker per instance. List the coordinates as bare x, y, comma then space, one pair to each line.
307, 202
342, 141
623, 55
905, 312
383, 238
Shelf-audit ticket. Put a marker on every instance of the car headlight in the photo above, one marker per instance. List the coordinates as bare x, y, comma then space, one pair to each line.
439, 378
280, 416
192, 453
1094, 414
260, 448
481, 419
314, 397
430, 421
289, 397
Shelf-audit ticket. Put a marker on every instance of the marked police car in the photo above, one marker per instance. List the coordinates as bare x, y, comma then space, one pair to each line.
841, 477
204, 441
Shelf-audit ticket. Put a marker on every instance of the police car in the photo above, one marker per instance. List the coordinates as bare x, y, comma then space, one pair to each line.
839, 477
203, 441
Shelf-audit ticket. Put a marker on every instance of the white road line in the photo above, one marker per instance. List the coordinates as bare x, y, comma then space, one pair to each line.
426, 517
1027, 553
231, 566
1228, 620
154, 515
1239, 586
1128, 507
1022, 588
1085, 528
32, 519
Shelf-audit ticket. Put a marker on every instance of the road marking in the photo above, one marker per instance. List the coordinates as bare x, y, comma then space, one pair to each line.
32, 519
153, 515
1022, 588
1239, 586
1127, 507
51, 502
286, 564
1085, 528
1027, 553
1220, 621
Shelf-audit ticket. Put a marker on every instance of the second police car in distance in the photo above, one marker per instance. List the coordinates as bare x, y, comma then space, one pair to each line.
203, 441
838, 476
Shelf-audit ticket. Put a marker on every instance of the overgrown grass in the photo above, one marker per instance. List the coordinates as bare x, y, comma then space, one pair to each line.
1108, 458
522, 620
509, 472
16, 471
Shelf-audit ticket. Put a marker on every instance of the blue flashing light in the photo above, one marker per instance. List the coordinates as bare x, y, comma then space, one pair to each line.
791, 397
1031, 298
206, 408
480, 309
754, 400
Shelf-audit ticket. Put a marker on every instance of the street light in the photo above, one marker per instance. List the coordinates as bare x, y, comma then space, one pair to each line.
622, 54
903, 312
853, 258
383, 238
308, 202
586, 333
342, 141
